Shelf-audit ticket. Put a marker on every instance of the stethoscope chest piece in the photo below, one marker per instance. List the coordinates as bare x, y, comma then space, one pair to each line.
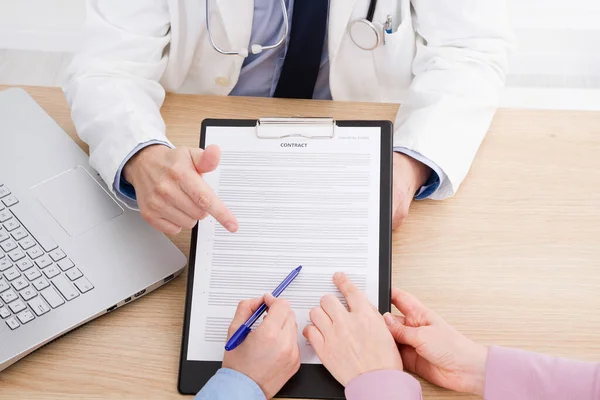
364, 34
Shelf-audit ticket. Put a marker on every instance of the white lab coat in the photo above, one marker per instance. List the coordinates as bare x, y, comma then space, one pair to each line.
445, 63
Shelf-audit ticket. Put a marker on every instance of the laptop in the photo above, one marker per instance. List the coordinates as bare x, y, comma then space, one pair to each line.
69, 251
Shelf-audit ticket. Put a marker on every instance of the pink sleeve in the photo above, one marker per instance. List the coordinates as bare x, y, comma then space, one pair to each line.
519, 375
384, 385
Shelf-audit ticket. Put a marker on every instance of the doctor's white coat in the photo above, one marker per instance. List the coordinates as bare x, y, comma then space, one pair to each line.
445, 63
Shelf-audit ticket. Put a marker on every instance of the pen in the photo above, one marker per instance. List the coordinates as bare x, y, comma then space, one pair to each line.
388, 25
238, 337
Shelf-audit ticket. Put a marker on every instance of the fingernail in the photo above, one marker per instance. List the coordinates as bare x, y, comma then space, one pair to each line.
268, 297
338, 275
389, 319
231, 226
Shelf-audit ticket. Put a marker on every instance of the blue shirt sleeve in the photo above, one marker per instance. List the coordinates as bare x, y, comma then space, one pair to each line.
123, 189
435, 179
228, 384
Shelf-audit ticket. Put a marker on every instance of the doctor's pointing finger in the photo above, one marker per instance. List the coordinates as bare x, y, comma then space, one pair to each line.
171, 191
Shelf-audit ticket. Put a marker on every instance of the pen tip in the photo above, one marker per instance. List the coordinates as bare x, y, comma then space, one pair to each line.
299, 268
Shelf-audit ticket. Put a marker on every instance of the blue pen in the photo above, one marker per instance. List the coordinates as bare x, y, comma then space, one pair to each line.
243, 331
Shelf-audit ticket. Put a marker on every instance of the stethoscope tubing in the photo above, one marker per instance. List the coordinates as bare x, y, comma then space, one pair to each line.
259, 48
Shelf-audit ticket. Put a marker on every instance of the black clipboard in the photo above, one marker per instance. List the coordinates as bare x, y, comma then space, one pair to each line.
311, 381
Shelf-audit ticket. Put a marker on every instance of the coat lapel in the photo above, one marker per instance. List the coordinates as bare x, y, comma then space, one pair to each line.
340, 12
236, 19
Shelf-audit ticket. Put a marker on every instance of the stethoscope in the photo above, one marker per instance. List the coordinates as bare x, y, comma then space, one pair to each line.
363, 32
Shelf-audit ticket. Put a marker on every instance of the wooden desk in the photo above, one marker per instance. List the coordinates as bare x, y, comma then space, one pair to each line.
513, 259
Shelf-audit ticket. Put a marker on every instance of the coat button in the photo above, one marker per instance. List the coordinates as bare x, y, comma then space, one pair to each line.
222, 81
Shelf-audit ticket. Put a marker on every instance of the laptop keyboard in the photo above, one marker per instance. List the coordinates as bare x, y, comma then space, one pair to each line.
36, 276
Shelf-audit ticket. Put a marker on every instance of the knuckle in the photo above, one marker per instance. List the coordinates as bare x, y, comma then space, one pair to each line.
162, 189
244, 304
398, 331
176, 172
288, 350
419, 336
306, 331
428, 315
270, 335
154, 203
204, 200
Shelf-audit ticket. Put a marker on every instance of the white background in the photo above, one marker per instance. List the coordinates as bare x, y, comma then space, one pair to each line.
556, 63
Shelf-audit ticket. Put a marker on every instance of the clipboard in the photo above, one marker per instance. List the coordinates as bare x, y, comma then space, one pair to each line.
312, 380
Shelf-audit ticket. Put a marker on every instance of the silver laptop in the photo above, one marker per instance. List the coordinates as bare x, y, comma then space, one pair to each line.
69, 252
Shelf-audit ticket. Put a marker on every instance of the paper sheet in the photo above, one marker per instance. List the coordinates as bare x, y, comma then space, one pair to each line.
309, 202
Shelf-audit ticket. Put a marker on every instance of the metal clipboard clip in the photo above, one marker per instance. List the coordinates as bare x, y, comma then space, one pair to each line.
309, 128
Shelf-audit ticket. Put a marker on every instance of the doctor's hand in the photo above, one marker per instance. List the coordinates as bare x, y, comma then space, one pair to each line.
351, 342
170, 190
270, 355
409, 176
433, 349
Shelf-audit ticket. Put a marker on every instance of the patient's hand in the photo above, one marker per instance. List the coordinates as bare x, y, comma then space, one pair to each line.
351, 343
433, 349
269, 355
170, 189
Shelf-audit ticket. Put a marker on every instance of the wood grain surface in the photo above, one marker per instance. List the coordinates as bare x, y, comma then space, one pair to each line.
513, 259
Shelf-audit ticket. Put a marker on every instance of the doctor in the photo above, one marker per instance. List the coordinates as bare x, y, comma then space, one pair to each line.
443, 60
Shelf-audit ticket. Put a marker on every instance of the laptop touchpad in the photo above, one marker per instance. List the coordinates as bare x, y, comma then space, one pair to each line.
76, 201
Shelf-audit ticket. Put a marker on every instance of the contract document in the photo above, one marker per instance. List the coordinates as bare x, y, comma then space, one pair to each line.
307, 201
